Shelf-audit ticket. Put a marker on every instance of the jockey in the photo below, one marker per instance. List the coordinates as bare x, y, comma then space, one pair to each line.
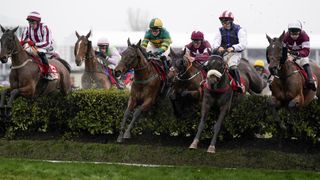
38, 35
261, 70
297, 42
159, 39
199, 49
109, 57
231, 39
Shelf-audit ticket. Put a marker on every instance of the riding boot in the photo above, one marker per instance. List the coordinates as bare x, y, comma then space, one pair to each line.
45, 62
236, 76
310, 81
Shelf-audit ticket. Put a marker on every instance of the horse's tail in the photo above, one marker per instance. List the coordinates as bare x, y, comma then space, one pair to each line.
65, 63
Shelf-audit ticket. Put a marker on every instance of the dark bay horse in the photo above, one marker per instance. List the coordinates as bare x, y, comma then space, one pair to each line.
219, 93
94, 75
288, 85
25, 76
186, 82
145, 88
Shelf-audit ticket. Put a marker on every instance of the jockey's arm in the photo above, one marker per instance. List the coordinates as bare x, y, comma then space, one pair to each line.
46, 38
114, 56
216, 42
242, 35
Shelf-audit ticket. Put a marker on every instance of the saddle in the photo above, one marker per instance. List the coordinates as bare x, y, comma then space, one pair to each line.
52, 69
159, 67
304, 74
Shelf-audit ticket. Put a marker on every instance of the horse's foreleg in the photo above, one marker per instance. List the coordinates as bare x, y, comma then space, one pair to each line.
13, 94
146, 105
136, 114
206, 106
125, 117
194, 94
3, 97
217, 126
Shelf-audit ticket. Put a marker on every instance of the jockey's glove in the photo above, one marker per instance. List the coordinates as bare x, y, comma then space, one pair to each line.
31, 43
159, 52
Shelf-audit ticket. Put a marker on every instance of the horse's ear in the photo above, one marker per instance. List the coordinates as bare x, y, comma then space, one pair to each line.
15, 29
282, 36
269, 38
2, 29
139, 43
128, 41
88, 35
78, 36
172, 54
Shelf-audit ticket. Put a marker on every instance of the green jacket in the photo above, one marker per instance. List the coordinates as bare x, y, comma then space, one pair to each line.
162, 41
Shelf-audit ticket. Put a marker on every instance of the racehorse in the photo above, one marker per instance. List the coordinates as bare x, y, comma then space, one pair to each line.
146, 85
288, 87
219, 90
94, 73
186, 81
25, 76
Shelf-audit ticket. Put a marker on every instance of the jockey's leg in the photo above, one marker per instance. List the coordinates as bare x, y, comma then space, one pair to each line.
45, 62
236, 75
311, 83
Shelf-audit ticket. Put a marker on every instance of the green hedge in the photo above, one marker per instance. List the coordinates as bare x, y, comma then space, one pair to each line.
99, 112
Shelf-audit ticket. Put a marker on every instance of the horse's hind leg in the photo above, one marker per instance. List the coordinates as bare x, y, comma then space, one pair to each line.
126, 115
217, 126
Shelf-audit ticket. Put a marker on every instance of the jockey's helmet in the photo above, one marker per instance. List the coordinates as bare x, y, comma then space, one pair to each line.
259, 63
197, 35
155, 23
295, 26
34, 16
103, 42
226, 15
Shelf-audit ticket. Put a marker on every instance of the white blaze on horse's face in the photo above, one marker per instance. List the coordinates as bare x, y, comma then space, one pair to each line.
78, 48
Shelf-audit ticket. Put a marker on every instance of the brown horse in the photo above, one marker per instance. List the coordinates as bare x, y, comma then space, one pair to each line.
145, 88
186, 82
288, 85
94, 75
25, 76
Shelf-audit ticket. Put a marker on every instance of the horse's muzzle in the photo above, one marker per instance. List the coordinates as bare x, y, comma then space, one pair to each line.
4, 59
117, 73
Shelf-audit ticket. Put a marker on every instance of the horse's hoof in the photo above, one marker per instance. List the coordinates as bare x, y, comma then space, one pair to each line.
127, 135
211, 149
194, 144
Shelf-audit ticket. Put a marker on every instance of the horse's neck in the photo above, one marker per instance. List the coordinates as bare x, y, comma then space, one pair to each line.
287, 69
91, 61
20, 57
143, 69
